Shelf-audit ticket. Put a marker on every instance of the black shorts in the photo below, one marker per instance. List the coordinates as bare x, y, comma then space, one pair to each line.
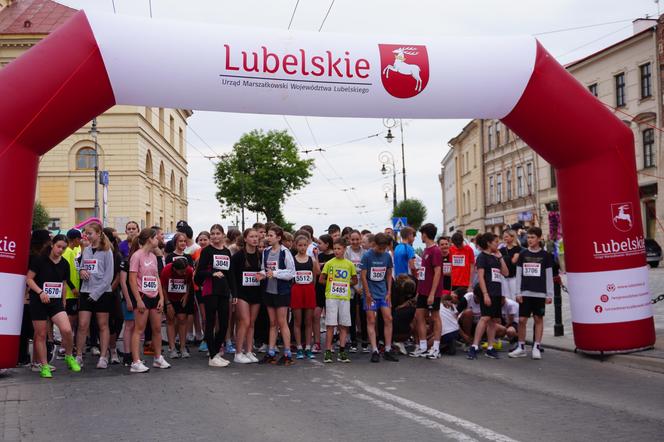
179, 309
102, 305
454, 287
72, 307
493, 311
421, 302
251, 297
532, 306
150, 303
275, 301
320, 298
41, 312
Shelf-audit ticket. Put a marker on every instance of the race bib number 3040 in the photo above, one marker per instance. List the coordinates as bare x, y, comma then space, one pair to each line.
221, 262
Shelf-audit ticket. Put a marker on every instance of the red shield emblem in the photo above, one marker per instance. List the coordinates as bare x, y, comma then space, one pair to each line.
404, 69
622, 216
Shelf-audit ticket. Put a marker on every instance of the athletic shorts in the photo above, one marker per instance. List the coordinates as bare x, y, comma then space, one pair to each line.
72, 306
320, 297
532, 306
150, 303
41, 312
493, 311
276, 301
337, 312
251, 298
128, 316
179, 309
101, 305
376, 304
303, 296
421, 302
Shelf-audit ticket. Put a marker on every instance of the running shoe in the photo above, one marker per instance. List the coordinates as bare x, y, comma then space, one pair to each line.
184, 354
391, 356
299, 354
126, 360
328, 356
160, 362
491, 353
51, 350
343, 357
471, 353
267, 359
173, 354
316, 348
536, 353
375, 357
102, 363
60, 353
365, 348
115, 358
262, 349
418, 353
203, 347
95, 351
79, 359
401, 348
71, 363
434, 353
353, 348
218, 362
241, 358
138, 367
45, 372
308, 354
518, 352
230, 348
285, 361
252, 356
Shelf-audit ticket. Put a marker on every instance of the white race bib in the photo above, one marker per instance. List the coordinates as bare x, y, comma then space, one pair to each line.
532, 269
221, 262
339, 289
177, 286
149, 284
89, 265
53, 289
358, 265
447, 267
304, 277
458, 260
496, 276
377, 273
421, 273
271, 265
250, 279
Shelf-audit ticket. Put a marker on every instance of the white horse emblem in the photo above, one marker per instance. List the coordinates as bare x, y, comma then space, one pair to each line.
622, 216
404, 68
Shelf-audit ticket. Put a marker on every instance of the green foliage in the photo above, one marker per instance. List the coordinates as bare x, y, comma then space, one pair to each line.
262, 171
40, 216
412, 209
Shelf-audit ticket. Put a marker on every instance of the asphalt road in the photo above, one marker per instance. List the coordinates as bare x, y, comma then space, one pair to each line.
563, 397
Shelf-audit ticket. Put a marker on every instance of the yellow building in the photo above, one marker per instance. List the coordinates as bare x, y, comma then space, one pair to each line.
143, 149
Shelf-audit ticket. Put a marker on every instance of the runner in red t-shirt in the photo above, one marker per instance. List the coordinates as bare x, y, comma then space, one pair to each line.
463, 262
177, 283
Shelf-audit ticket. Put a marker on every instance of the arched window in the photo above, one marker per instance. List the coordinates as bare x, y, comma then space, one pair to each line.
162, 174
172, 181
85, 158
148, 164
181, 187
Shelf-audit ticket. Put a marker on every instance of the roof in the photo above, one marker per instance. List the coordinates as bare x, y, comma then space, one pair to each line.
33, 17
594, 54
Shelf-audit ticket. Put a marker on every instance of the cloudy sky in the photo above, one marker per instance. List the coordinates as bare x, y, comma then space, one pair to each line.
347, 187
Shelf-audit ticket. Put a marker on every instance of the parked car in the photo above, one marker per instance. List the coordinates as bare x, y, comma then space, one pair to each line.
653, 253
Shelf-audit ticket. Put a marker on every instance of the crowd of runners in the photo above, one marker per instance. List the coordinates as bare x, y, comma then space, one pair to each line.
286, 296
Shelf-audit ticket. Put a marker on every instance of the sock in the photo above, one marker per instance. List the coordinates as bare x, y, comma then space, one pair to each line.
374, 349
490, 347
229, 342
475, 347
436, 345
287, 353
388, 348
537, 344
271, 352
522, 344
308, 347
299, 347
423, 344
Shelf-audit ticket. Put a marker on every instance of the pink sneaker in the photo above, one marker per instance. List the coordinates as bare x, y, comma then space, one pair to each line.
316, 348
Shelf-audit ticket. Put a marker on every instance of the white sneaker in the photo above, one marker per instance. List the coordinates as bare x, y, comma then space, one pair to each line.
519, 352
95, 351
252, 357
241, 358
115, 359
138, 367
79, 359
173, 354
262, 349
434, 353
185, 354
418, 353
218, 361
102, 363
402, 348
160, 362
537, 354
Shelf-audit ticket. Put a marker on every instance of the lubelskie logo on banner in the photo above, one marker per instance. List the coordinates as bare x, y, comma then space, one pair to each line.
404, 69
7, 248
622, 216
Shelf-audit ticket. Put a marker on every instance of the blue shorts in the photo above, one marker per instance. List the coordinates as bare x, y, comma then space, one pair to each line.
375, 305
128, 316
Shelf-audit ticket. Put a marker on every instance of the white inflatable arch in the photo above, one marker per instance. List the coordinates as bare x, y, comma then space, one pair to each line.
95, 61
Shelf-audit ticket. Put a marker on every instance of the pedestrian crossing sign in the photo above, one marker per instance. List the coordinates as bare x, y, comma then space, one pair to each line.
399, 223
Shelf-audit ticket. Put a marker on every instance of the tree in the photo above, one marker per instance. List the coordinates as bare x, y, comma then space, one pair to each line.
411, 209
40, 216
260, 173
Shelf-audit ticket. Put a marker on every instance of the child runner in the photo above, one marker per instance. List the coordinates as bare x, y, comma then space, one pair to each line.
491, 269
324, 254
127, 311
404, 254
148, 297
131, 230
303, 296
176, 282
510, 251
450, 331
245, 265
179, 242
338, 275
534, 281
277, 272
463, 260
377, 283
97, 272
196, 321
46, 279
72, 255
214, 276
354, 254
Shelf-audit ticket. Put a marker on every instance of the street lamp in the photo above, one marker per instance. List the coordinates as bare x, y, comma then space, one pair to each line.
387, 188
94, 132
389, 123
387, 160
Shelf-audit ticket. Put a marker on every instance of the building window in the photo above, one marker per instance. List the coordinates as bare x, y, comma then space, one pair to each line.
490, 135
529, 171
476, 193
552, 171
646, 76
85, 158
508, 177
620, 89
83, 214
171, 129
519, 182
497, 125
593, 89
148, 164
491, 200
181, 141
161, 121
162, 175
648, 148
499, 188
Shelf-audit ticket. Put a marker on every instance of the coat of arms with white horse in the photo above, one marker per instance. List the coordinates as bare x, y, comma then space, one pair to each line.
622, 216
404, 69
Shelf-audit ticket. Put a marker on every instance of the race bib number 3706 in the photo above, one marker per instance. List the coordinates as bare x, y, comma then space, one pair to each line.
532, 269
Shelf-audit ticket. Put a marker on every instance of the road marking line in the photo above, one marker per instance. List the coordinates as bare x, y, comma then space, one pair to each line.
475, 428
